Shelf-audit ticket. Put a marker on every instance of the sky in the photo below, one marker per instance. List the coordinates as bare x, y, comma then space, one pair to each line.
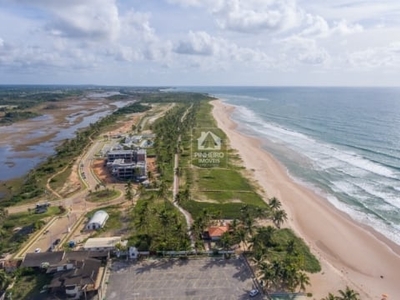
200, 42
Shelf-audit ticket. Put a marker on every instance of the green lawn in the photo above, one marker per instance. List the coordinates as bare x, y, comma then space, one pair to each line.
248, 197
226, 210
103, 195
222, 179
58, 181
282, 237
26, 218
114, 219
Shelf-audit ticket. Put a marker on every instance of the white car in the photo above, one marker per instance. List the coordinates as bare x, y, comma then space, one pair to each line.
37, 250
253, 293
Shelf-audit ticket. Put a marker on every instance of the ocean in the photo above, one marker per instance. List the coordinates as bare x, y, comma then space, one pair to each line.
344, 143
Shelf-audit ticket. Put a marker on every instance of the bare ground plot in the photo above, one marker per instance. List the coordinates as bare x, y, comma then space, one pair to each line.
180, 279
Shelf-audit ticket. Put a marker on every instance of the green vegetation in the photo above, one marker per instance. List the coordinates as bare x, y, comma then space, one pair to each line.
102, 195
210, 194
114, 220
223, 188
26, 97
157, 225
33, 185
173, 97
28, 284
347, 294
226, 210
15, 116
16, 228
285, 238
211, 179
58, 180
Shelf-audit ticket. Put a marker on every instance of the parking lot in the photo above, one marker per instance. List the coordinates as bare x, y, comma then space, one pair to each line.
180, 279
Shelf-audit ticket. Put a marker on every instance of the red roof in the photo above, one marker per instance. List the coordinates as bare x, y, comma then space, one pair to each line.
217, 231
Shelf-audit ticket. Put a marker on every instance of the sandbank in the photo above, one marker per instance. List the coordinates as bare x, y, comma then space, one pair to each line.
350, 254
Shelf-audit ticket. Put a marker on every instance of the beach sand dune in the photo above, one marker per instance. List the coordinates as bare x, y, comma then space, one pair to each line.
350, 254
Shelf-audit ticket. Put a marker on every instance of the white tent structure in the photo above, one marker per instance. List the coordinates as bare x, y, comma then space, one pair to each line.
98, 220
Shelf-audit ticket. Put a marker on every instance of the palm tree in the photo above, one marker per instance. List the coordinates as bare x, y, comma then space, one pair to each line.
291, 247
3, 214
4, 280
248, 224
241, 235
348, 294
226, 241
128, 191
267, 274
330, 297
186, 193
162, 191
141, 189
164, 217
303, 280
279, 217
274, 203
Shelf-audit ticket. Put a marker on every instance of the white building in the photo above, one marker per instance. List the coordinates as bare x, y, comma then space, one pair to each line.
98, 220
101, 244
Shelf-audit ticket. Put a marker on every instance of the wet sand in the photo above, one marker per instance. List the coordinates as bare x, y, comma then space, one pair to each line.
350, 254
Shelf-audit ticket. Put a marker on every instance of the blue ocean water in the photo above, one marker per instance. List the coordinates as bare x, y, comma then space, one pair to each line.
342, 142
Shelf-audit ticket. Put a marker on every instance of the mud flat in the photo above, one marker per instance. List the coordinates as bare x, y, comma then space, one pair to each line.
26, 143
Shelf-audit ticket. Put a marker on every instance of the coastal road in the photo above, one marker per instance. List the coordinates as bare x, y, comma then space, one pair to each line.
175, 188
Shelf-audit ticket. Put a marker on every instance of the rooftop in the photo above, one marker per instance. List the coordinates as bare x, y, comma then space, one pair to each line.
217, 231
36, 259
102, 242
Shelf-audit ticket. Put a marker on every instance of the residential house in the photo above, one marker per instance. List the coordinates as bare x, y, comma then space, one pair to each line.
215, 233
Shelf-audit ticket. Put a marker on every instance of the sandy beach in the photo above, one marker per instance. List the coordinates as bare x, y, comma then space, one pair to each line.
350, 254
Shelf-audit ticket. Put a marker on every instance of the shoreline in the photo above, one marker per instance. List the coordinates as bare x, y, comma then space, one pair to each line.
351, 254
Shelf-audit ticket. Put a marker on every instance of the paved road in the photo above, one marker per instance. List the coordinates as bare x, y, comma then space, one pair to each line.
75, 204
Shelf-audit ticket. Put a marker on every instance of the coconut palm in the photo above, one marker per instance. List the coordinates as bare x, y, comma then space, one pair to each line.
267, 274
265, 235
348, 294
226, 241
4, 280
274, 203
3, 214
279, 217
330, 297
303, 280
129, 191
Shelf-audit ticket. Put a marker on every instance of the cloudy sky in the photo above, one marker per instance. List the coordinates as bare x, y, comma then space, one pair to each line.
200, 42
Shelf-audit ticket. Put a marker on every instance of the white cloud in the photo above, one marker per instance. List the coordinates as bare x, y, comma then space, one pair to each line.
319, 27
305, 50
203, 37
198, 43
376, 57
187, 3
203, 44
89, 19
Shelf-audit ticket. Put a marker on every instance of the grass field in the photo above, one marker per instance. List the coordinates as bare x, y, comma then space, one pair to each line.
218, 187
103, 195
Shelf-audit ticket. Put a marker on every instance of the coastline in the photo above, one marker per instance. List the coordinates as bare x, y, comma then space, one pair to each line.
350, 254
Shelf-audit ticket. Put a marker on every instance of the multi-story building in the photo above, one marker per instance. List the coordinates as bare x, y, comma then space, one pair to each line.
128, 164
